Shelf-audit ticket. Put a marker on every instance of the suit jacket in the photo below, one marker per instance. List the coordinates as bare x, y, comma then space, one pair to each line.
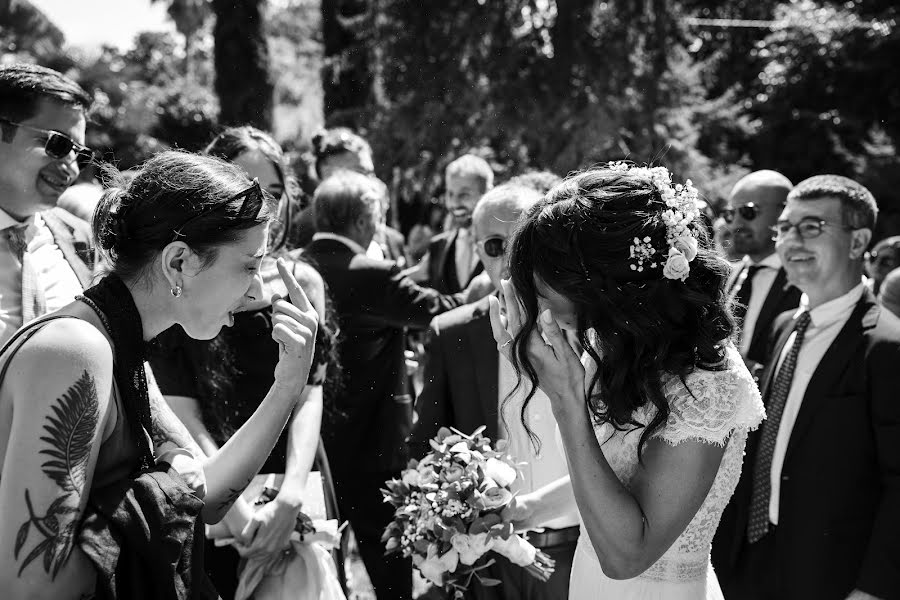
374, 303
74, 240
442, 274
394, 244
782, 297
461, 375
839, 506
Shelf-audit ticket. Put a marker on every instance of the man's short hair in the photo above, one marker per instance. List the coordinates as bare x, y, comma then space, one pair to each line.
542, 181
509, 196
470, 165
342, 198
858, 205
23, 86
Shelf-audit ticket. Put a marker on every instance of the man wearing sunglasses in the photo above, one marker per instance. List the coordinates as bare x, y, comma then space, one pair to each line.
816, 513
45, 252
759, 286
466, 383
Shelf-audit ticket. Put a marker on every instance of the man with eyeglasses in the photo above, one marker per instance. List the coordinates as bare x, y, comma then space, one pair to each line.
816, 513
468, 393
45, 253
759, 286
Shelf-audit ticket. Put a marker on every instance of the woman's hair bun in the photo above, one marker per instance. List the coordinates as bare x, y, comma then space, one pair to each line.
111, 210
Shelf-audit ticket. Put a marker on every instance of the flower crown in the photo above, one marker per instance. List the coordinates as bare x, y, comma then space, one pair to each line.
681, 212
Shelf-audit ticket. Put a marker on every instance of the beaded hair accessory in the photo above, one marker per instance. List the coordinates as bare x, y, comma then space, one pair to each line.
681, 201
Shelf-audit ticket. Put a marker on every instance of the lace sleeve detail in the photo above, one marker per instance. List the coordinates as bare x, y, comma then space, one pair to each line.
709, 405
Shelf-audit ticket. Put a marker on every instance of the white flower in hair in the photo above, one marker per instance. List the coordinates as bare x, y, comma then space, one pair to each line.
682, 210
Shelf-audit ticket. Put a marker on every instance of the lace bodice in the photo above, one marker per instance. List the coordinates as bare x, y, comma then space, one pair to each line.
716, 407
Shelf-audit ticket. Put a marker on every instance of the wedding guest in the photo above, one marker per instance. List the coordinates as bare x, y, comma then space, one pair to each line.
653, 422
881, 260
183, 242
817, 511
46, 253
467, 394
889, 295
451, 261
215, 386
759, 286
374, 303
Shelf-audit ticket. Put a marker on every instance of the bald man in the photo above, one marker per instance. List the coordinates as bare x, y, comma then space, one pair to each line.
759, 285
466, 383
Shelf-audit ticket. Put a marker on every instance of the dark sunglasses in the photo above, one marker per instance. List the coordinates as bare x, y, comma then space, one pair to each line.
807, 228
251, 199
748, 212
493, 246
58, 146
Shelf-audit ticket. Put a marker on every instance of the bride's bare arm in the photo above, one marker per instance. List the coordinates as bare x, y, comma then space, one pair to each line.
59, 397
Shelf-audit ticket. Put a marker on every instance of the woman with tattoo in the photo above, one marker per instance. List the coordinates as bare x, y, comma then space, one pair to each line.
184, 241
214, 386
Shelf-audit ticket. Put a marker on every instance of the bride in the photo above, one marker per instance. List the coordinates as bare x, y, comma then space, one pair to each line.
655, 419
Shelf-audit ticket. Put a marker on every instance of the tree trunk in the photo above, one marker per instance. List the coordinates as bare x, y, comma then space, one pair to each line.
241, 56
346, 73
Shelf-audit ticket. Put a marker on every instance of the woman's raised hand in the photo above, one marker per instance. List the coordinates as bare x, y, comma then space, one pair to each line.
294, 326
558, 367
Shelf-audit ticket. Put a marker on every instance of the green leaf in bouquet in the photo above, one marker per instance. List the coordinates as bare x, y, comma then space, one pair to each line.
488, 581
436, 446
393, 544
421, 545
442, 434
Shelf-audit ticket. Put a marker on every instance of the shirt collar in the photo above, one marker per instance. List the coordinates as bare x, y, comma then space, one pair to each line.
7, 221
834, 310
772, 261
326, 235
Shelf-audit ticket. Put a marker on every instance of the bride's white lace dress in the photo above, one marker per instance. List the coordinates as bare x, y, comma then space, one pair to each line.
716, 407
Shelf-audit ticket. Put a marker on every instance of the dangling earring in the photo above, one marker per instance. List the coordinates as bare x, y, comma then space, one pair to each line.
176, 291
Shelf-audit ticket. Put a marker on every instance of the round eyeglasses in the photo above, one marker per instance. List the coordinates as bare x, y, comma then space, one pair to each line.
807, 228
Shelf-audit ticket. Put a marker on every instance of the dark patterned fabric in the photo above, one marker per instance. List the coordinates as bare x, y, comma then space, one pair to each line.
758, 525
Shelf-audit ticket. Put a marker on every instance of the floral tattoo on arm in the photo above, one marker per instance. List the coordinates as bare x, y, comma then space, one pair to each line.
68, 435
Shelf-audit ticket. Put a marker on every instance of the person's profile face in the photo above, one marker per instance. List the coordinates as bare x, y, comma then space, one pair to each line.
228, 285
462, 194
562, 308
259, 166
30, 180
492, 229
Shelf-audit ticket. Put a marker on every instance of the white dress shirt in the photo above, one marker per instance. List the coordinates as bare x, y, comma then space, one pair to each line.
545, 466
762, 285
56, 277
324, 235
465, 256
826, 321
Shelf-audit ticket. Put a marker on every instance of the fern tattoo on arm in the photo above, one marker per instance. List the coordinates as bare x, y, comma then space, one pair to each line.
69, 435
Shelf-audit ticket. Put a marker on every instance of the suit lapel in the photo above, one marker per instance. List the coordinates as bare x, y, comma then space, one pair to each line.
833, 366
64, 241
484, 355
770, 308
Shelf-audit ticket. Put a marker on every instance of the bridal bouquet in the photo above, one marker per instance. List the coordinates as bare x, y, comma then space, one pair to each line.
448, 512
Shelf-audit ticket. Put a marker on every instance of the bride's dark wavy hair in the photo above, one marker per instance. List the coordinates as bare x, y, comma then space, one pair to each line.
577, 241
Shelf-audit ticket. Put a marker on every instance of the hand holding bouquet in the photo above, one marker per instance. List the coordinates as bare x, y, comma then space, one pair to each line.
448, 512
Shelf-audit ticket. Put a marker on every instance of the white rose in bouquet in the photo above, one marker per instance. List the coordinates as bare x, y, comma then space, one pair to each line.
434, 567
500, 472
471, 547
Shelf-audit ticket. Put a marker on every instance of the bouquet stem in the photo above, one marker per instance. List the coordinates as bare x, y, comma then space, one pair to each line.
542, 567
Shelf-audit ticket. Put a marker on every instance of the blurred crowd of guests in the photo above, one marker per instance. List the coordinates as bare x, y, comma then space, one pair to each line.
405, 348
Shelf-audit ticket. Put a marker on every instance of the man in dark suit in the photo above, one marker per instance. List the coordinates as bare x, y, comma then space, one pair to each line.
816, 513
759, 285
374, 302
451, 261
467, 394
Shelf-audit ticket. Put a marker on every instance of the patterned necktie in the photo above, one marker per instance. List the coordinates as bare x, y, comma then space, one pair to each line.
33, 302
758, 524
742, 297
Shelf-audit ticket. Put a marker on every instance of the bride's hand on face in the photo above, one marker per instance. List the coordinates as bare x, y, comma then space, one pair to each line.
294, 326
559, 369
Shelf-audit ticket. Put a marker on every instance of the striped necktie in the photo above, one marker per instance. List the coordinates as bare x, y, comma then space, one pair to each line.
34, 303
758, 524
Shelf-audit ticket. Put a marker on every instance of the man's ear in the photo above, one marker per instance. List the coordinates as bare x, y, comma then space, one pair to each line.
859, 241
